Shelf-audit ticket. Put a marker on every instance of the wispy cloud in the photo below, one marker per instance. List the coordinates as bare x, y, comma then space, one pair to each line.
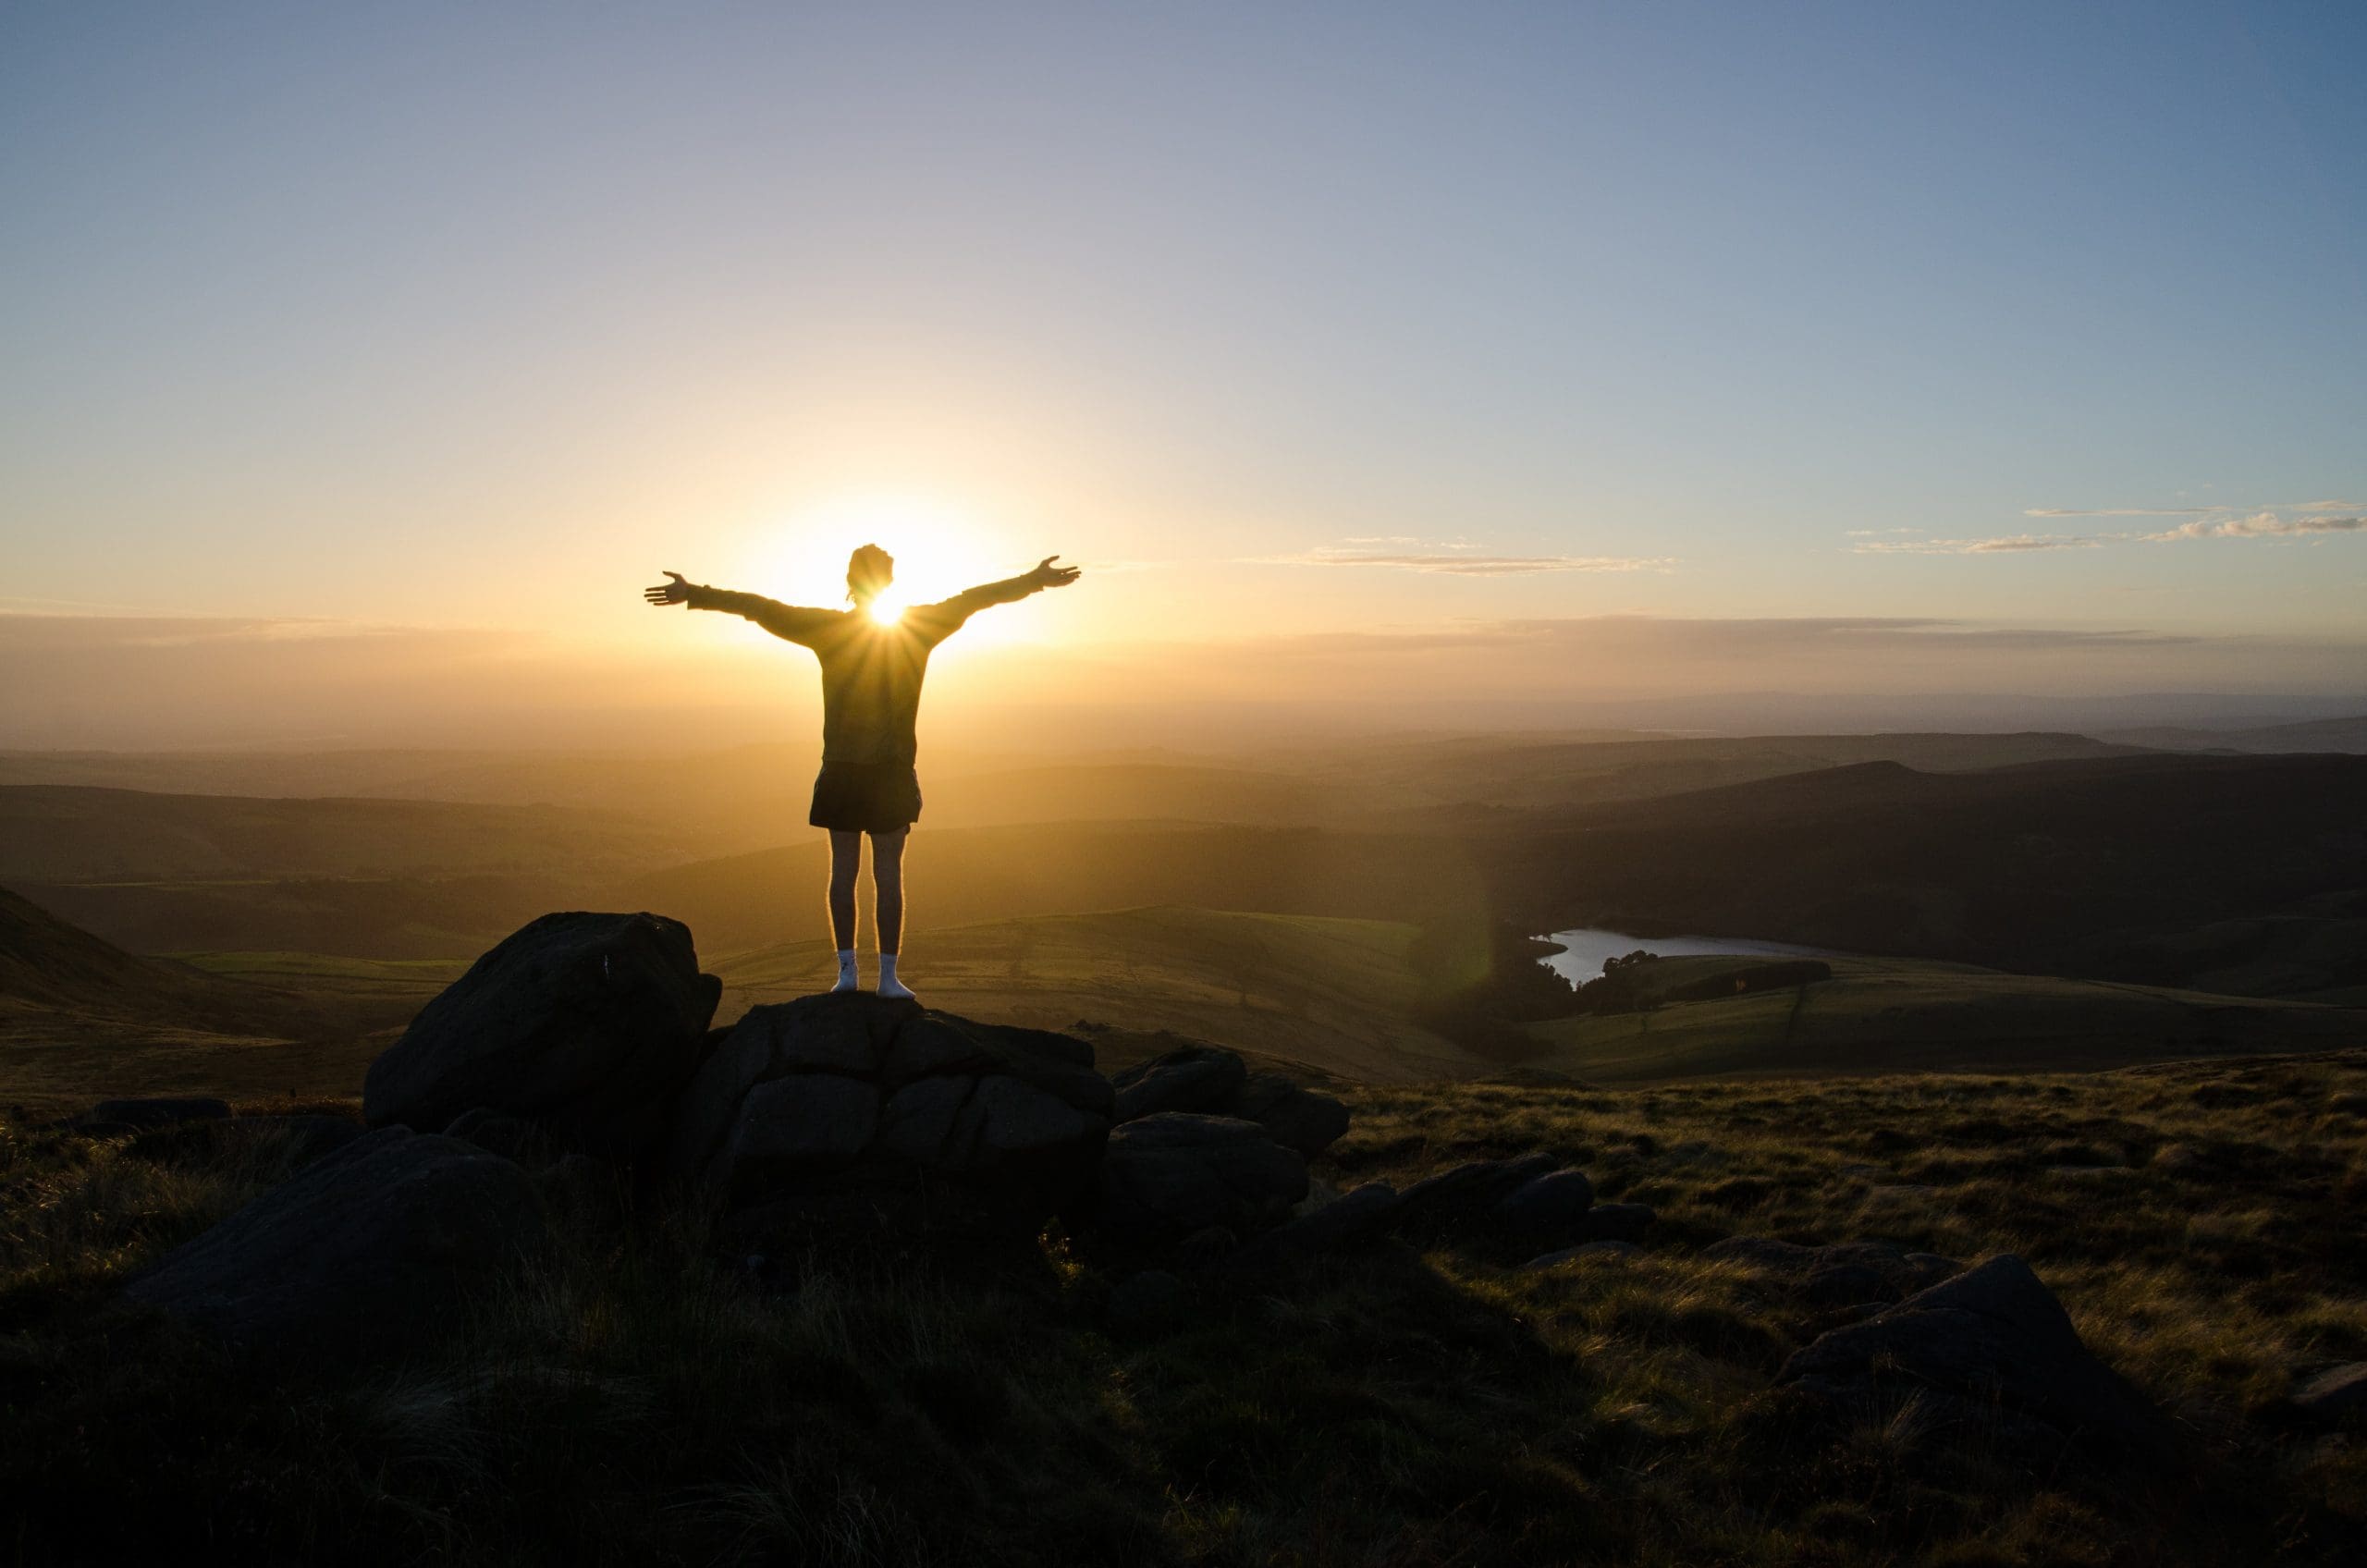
1457, 558
2260, 525
2208, 523
2125, 511
2010, 544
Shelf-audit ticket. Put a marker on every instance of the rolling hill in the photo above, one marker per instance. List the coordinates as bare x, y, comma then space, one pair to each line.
1894, 1015
69, 833
2348, 735
1333, 995
2046, 867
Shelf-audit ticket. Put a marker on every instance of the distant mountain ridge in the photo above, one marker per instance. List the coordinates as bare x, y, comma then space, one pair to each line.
2046, 867
2345, 735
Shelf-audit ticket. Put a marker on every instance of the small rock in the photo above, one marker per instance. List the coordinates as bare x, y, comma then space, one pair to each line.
1462, 1195
1195, 1078
1295, 1118
1552, 1206
1991, 1340
2334, 1394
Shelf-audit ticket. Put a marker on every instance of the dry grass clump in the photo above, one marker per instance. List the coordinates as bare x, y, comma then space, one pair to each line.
638, 1396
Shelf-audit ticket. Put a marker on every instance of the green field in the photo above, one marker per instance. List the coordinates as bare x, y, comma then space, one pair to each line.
1338, 998
1332, 994
1914, 1015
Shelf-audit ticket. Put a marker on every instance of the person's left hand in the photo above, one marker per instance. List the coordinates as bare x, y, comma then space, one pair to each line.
1047, 575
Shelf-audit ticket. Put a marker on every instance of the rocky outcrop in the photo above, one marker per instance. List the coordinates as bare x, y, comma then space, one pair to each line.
1211, 1081
1352, 1217
367, 1249
837, 1095
2336, 1394
1991, 1346
1173, 1175
586, 1024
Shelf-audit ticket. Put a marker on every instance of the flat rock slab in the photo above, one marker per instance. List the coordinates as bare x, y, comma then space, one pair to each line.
1211, 1081
588, 1025
371, 1248
1991, 1340
833, 1093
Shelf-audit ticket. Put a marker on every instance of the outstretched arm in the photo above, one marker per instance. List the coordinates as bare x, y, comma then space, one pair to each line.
946, 616
792, 621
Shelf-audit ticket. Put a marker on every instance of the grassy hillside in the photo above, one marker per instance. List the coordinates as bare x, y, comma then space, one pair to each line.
1879, 1015
962, 876
2310, 735
405, 917
1557, 773
2052, 867
637, 1399
80, 1018
1332, 994
71, 834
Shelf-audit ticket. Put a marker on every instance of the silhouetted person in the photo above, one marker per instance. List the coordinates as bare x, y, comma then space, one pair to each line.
872, 669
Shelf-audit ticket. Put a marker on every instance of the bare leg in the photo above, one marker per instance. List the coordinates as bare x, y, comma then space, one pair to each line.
846, 863
887, 909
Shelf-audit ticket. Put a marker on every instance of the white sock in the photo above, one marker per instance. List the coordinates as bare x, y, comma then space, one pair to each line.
846, 970
889, 985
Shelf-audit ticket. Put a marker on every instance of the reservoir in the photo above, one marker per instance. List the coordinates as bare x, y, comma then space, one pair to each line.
1588, 947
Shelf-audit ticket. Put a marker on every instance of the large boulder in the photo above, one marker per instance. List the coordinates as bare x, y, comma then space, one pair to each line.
367, 1249
1173, 1175
828, 1096
1992, 1347
1293, 1116
588, 1025
1211, 1081
1192, 1078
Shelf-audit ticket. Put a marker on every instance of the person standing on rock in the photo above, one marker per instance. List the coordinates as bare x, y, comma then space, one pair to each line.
873, 662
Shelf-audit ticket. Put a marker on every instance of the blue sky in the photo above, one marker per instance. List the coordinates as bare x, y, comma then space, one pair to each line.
458, 316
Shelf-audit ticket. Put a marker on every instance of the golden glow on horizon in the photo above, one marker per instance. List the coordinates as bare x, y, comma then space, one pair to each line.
939, 549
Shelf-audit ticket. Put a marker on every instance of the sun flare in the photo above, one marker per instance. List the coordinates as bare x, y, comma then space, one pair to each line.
939, 548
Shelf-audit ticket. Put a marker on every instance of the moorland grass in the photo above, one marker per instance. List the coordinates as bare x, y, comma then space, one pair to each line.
634, 1395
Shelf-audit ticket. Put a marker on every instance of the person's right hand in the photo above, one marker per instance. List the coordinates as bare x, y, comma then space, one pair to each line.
673, 593
1047, 575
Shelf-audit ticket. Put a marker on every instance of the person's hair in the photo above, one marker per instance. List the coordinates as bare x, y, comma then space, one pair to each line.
869, 569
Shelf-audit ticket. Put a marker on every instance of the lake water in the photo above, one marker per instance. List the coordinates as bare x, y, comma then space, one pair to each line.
1589, 948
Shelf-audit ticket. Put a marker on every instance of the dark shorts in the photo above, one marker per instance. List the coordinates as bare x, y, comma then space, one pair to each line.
866, 797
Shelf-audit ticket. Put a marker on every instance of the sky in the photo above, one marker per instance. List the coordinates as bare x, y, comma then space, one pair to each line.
360, 364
